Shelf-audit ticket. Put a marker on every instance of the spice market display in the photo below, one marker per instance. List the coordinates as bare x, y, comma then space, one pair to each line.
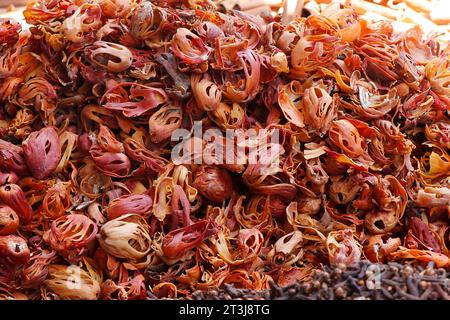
357, 187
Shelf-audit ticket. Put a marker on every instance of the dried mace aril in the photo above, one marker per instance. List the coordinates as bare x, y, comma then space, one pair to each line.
188, 148
14, 249
42, 152
13, 196
9, 220
213, 183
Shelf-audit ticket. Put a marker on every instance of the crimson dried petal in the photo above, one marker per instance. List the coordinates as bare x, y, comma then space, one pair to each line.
380, 74
277, 206
93, 114
94, 212
132, 203
285, 190
408, 70
373, 106
143, 66
14, 249
177, 242
129, 286
13, 196
226, 53
416, 47
209, 30
319, 47
42, 152
268, 72
250, 27
8, 272
90, 73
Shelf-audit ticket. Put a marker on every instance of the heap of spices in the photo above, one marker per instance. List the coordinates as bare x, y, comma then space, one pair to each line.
158, 148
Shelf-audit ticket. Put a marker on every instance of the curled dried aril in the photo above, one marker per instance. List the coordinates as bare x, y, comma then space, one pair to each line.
9, 220
189, 47
57, 200
164, 122
177, 242
111, 163
110, 56
13, 196
42, 152
214, 183
70, 235
140, 204
12, 158
14, 249
35, 271
73, 282
345, 136
126, 237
